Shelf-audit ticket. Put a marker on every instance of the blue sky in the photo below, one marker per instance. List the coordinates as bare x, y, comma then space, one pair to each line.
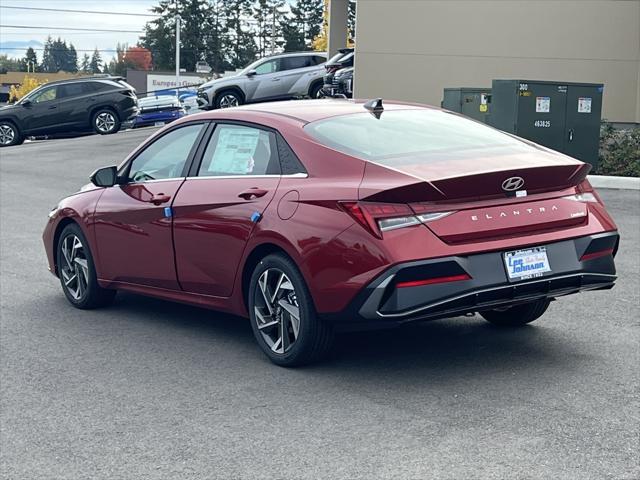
20, 38
14, 41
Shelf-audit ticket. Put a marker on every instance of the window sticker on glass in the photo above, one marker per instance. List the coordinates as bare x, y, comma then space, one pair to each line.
234, 153
543, 104
584, 105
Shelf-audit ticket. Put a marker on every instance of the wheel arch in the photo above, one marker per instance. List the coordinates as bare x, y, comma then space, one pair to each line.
14, 121
62, 224
259, 252
318, 82
95, 110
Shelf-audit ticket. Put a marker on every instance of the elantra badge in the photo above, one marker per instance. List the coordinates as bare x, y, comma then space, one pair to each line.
512, 184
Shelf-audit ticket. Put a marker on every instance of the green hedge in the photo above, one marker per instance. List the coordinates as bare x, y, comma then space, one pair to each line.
619, 151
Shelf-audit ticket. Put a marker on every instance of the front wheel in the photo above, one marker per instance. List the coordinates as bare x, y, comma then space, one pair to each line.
282, 314
228, 99
105, 122
517, 315
317, 91
9, 135
77, 271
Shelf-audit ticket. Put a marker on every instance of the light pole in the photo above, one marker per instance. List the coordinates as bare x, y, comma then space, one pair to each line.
178, 20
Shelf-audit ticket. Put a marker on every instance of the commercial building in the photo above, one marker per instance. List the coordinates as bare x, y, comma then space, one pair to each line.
413, 49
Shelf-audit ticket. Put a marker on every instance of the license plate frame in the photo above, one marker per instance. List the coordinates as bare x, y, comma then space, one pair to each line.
526, 263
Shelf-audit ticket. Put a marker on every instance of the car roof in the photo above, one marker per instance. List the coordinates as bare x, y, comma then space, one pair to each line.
293, 54
306, 111
83, 79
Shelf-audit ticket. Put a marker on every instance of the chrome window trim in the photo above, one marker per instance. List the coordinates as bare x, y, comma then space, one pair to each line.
290, 175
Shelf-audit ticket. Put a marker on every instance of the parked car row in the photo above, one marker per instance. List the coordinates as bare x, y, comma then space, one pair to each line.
338, 81
104, 104
100, 104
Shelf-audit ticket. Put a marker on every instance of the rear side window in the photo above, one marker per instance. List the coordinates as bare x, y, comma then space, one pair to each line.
73, 90
291, 63
102, 86
410, 137
238, 150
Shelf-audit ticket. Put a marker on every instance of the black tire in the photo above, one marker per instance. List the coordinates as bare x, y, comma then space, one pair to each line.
316, 91
92, 296
105, 121
314, 337
10, 134
517, 315
228, 99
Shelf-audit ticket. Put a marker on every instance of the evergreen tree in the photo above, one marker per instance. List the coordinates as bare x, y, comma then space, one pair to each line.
31, 60
307, 17
269, 16
216, 38
71, 64
85, 64
351, 21
96, 62
240, 44
48, 62
293, 37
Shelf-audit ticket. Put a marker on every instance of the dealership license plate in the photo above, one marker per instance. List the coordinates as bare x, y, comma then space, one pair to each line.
526, 264
158, 124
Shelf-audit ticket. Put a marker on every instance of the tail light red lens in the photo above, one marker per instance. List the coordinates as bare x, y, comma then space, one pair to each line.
432, 281
382, 217
592, 255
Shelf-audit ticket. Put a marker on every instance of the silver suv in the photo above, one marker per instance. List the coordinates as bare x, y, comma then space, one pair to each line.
277, 77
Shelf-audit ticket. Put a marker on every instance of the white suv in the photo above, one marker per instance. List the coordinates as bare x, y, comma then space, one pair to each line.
277, 77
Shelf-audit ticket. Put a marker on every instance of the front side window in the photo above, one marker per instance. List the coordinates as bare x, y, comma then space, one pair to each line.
166, 157
267, 67
45, 95
238, 150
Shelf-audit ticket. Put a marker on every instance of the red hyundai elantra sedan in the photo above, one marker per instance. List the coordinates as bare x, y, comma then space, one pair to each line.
312, 216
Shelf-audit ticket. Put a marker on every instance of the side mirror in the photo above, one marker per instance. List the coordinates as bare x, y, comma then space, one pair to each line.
26, 103
105, 177
251, 73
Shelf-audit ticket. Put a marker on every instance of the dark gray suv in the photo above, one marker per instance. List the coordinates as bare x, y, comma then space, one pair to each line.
278, 77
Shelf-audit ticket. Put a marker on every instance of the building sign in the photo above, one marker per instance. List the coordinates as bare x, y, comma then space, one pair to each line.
164, 82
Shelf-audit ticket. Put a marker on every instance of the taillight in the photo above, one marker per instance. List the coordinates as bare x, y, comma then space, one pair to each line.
383, 217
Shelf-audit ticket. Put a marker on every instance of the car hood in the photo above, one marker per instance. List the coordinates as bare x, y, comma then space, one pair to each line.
7, 108
220, 81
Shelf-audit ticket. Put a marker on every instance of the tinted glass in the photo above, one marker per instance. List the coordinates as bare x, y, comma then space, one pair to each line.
102, 86
166, 157
239, 150
319, 60
267, 67
291, 63
72, 90
45, 95
405, 137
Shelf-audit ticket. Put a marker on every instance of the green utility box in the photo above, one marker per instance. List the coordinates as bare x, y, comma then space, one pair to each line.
560, 115
472, 102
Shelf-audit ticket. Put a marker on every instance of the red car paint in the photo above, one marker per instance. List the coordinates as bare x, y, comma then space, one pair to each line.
202, 254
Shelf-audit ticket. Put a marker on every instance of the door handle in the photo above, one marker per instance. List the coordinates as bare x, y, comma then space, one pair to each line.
159, 199
276, 79
571, 134
254, 192
52, 107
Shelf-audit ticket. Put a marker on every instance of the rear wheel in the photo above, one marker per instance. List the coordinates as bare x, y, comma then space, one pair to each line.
77, 271
517, 315
105, 122
283, 317
9, 134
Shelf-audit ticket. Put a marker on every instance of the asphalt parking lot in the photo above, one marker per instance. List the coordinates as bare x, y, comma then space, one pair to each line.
149, 389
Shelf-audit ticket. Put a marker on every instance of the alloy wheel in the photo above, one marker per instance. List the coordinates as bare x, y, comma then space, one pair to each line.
277, 313
7, 134
105, 122
227, 101
75, 267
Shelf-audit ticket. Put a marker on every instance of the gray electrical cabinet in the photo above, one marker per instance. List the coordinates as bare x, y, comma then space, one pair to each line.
472, 102
563, 116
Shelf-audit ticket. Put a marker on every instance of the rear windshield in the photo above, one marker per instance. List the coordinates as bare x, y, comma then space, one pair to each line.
412, 135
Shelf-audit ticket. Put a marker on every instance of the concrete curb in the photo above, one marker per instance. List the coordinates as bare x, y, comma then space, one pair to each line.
623, 183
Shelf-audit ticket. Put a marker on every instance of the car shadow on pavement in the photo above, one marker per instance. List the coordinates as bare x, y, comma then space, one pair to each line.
459, 346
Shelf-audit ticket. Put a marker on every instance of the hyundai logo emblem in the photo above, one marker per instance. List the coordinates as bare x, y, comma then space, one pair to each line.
512, 184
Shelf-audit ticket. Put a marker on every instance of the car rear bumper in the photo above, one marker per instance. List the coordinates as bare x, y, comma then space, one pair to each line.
464, 284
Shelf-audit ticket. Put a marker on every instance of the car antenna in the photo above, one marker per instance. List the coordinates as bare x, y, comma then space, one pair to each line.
375, 107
